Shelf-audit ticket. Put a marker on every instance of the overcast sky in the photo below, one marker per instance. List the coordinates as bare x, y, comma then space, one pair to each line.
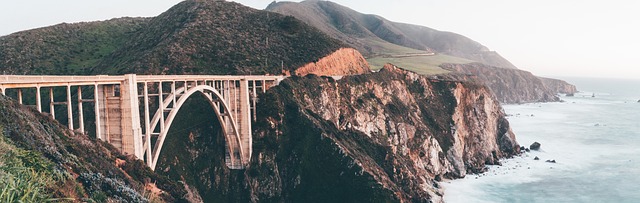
547, 37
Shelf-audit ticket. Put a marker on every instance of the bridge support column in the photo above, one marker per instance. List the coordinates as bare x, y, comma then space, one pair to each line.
19, 96
96, 107
38, 101
119, 117
131, 129
69, 109
244, 120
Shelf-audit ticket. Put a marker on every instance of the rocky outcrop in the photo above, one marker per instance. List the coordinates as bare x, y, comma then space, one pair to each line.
509, 85
345, 61
384, 136
559, 86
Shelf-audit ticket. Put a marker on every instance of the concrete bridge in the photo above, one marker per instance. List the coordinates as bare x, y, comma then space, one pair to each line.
135, 112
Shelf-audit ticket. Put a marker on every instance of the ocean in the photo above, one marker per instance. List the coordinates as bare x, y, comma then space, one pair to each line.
594, 138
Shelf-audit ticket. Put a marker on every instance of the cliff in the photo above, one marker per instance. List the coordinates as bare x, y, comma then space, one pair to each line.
396, 130
41, 160
509, 85
345, 61
559, 86
387, 136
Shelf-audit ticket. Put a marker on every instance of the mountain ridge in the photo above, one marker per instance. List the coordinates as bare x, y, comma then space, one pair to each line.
192, 37
355, 28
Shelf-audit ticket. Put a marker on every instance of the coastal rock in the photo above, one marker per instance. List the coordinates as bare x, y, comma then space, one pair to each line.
385, 136
536, 158
535, 146
551, 161
509, 85
559, 86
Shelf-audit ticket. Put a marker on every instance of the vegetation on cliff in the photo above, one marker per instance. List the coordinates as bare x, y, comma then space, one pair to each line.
41, 160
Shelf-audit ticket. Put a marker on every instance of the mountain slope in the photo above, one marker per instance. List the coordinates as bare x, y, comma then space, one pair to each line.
509, 85
72, 166
218, 37
372, 35
64, 48
366, 32
193, 37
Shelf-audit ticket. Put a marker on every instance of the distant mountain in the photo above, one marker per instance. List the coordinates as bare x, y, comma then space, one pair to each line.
424, 50
193, 37
374, 35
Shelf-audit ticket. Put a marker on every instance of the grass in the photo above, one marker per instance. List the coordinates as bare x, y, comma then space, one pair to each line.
425, 65
24, 175
387, 48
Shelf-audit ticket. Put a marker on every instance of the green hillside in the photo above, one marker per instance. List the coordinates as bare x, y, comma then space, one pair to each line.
193, 37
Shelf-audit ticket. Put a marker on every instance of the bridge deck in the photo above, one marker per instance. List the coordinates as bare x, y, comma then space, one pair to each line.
27, 81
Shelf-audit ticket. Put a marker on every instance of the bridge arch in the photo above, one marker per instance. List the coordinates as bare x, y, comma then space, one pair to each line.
235, 153
122, 106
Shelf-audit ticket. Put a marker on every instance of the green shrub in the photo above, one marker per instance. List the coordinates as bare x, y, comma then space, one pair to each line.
24, 175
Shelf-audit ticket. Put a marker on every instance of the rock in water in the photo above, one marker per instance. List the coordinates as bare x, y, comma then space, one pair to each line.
535, 146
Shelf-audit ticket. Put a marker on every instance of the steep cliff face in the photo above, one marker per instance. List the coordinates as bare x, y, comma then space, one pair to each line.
509, 85
383, 136
345, 61
559, 86
386, 136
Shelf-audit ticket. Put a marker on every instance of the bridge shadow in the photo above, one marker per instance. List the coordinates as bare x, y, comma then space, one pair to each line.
194, 152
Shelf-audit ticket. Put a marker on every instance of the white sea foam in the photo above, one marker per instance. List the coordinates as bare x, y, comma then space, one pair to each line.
593, 140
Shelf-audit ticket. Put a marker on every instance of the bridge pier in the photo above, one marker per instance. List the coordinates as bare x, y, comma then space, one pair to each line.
244, 120
119, 118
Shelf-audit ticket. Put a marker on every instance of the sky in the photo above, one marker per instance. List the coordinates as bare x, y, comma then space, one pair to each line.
583, 38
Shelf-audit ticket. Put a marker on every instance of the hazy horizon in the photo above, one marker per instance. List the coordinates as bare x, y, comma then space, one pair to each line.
548, 38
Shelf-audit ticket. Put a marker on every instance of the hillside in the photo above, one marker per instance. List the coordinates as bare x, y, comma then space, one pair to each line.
509, 85
64, 48
376, 36
193, 37
41, 160
412, 47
